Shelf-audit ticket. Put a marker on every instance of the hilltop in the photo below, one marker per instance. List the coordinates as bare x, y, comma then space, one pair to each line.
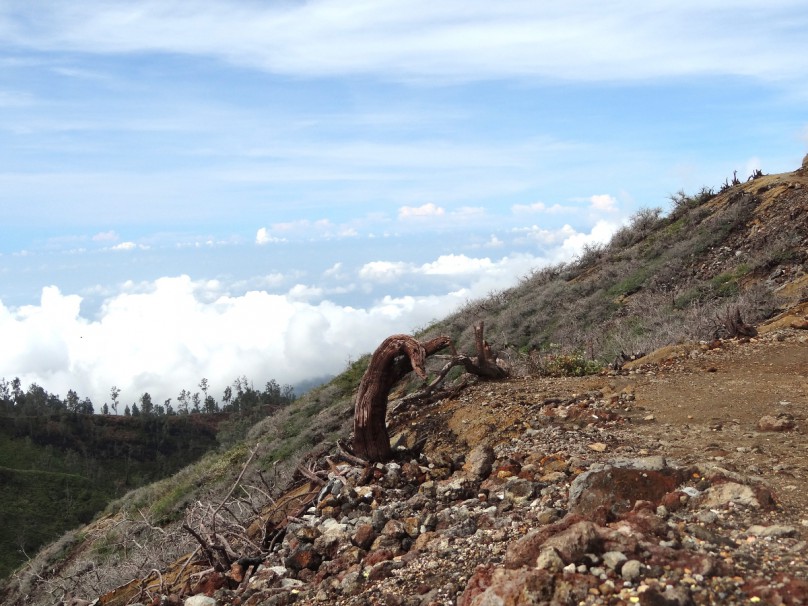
675, 477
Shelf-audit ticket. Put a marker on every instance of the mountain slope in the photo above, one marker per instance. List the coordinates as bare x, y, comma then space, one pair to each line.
661, 278
59, 470
661, 281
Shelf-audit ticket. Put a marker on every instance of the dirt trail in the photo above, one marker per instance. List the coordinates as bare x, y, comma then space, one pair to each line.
692, 403
709, 406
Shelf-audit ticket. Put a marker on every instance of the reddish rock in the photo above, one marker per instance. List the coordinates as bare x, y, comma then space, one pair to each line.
620, 488
412, 472
327, 569
381, 570
380, 555
524, 551
352, 555
674, 501
613, 539
572, 543
645, 521
307, 534
364, 536
789, 591
395, 529
209, 583
329, 500
508, 587
477, 584
412, 526
555, 463
508, 470
388, 542
423, 540
304, 557
237, 572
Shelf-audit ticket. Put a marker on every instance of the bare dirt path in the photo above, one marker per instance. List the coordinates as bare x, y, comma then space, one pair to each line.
708, 407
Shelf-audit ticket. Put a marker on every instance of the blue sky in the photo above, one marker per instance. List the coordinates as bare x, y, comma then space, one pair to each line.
221, 188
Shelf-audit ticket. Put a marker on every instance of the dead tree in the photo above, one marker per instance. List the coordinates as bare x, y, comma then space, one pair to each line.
393, 359
733, 324
486, 364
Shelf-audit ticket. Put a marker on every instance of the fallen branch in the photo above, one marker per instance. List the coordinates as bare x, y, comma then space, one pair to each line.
310, 475
233, 488
206, 549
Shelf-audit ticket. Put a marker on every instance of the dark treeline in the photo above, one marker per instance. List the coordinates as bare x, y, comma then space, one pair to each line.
61, 462
240, 397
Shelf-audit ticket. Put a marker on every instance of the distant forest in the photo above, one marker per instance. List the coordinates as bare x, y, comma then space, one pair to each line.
61, 463
241, 397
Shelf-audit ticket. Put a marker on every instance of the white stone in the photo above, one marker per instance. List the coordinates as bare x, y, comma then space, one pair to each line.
631, 570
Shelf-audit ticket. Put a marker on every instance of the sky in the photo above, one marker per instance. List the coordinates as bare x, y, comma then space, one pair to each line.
223, 188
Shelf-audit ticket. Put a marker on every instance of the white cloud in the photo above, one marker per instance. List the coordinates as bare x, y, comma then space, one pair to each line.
262, 236
565, 242
304, 229
603, 203
542, 236
494, 242
125, 246
335, 271
453, 265
302, 292
574, 243
384, 271
419, 212
169, 337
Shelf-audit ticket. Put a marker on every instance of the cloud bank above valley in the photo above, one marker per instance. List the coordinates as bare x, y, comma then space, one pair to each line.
164, 335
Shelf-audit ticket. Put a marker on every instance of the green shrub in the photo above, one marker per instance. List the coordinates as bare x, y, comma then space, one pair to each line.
573, 364
631, 284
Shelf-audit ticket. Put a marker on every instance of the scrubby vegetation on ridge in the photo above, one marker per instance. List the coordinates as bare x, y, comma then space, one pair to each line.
662, 278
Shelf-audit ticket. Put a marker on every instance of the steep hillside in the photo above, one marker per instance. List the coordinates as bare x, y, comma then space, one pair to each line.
485, 504
58, 471
661, 279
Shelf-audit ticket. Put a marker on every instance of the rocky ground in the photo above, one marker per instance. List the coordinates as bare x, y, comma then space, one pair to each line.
681, 479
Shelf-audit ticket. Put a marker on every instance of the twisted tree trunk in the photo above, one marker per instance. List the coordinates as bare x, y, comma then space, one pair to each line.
393, 359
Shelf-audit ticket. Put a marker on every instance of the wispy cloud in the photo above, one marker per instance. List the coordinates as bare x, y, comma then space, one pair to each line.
588, 41
540, 207
106, 236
